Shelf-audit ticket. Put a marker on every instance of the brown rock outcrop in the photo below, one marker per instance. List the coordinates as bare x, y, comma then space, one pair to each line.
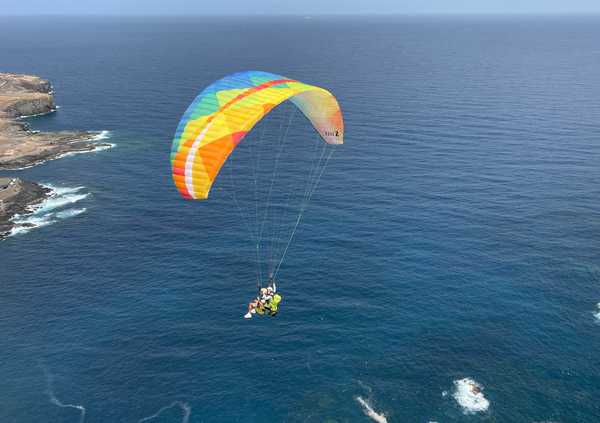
29, 106
15, 199
25, 95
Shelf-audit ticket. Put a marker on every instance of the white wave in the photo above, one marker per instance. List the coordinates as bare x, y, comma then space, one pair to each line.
39, 114
72, 153
54, 400
597, 315
101, 135
45, 213
58, 198
27, 167
69, 213
95, 150
63, 190
379, 418
103, 147
468, 394
100, 148
186, 412
31, 222
60, 404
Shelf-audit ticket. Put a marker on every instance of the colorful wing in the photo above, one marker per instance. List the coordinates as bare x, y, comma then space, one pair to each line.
224, 112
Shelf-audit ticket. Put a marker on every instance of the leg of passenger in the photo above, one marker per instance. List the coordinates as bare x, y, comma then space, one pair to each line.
250, 309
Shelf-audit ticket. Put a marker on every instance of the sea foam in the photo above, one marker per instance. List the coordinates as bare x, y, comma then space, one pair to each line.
468, 395
184, 407
597, 315
39, 114
72, 153
99, 136
55, 401
52, 209
379, 418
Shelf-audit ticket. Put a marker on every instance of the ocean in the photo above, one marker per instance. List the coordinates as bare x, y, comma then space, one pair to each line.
453, 240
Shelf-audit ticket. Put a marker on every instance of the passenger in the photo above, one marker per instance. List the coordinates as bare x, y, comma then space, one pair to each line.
256, 304
264, 303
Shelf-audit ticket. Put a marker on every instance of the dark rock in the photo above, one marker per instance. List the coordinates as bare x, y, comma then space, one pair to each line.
42, 86
16, 199
30, 106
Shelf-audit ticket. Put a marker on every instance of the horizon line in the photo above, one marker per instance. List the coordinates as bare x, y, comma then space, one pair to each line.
318, 14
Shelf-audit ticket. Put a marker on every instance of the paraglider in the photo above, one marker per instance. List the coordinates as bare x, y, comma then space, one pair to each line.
217, 121
267, 303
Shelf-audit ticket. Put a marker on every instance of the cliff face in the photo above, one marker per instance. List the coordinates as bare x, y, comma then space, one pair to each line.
36, 86
27, 95
14, 128
15, 84
30, 106
24, 95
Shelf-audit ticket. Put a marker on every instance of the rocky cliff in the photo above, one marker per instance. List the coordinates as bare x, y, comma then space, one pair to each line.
27, 95
16, 198
37, 85
41, 104
15, 84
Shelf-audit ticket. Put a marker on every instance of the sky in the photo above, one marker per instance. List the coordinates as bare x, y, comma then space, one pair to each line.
301, 7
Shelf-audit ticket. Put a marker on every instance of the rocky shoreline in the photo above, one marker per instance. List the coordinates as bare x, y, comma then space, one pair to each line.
54, 145
21, 96
17, 197
26, 95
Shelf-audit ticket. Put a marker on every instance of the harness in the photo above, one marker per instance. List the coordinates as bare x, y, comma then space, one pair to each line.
271, 307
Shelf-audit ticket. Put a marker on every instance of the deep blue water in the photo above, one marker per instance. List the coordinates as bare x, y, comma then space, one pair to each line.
455, 234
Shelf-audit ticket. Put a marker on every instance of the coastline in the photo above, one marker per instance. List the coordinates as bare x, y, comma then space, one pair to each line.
23, 96
18, 198
20, 148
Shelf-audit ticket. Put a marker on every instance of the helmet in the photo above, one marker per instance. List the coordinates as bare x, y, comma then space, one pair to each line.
263, 290
269, 289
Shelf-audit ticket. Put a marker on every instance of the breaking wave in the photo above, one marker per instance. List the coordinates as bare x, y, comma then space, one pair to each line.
468, 395
100, 136
72, 153
597, 315
54, 208
39, 114
379, 418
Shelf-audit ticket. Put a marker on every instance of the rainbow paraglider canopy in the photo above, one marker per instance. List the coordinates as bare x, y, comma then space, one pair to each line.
224, 112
